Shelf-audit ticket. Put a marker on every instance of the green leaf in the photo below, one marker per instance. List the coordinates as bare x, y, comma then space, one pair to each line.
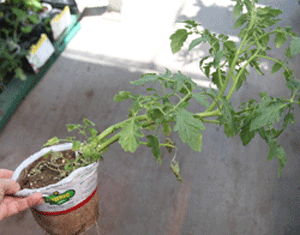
153, 142
148, 77
248, 4
288, 52
276, 67
207, 69
176, 170
180, 79
129, 135
189, 129
19, 13
123, 95
93, 132
216, 80
280, 39
197, 41
20, 74
202, 99
275, 12
289, 118
34, 19
293, 84
135, 107
246, 135
47, 154
231, 126
242, 78
265, 40
192, 23
177, 39
229, 46
166, 128
88, 122
26, 29
268, 115
295, 46
238, 8
240, 21
218, 57
76, 145
72, 127
52, 141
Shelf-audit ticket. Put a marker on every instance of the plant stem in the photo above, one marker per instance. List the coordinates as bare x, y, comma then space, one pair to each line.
232, 67
240, 73
276, 61
208, 114
117, 126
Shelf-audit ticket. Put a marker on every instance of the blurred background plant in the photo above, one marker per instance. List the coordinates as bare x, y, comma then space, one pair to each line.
20, 27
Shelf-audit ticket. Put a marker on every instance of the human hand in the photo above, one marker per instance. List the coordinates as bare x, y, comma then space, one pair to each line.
10, 205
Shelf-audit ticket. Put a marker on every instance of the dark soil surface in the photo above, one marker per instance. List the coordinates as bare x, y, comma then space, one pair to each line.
46, 176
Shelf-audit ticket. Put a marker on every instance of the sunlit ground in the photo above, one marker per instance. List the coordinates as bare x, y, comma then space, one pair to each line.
138, 37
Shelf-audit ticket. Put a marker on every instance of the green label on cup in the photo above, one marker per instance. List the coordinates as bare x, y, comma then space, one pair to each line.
58, 199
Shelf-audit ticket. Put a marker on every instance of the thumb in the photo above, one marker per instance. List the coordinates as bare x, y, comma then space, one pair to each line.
8, 186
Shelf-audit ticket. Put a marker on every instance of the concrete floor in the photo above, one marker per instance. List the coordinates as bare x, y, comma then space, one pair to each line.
228, 189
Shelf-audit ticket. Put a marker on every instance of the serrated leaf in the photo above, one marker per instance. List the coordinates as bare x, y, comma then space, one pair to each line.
268, 116
293, 84
180, 79
246, 135
207, 69
276, 67
177, 40
295, 46
202, 99
289, 118
166, 128
76, 145
280, 39
275, 12
197, 41
231, 126
288, 53
123, 95
218, 57
240, 21
148, 77
88, 122
265, 40
229, 46
72, 127
202, 60
52, 141
238, 8
189, 129
153, 142
135, 107
129, 135
242, 78
216, 80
